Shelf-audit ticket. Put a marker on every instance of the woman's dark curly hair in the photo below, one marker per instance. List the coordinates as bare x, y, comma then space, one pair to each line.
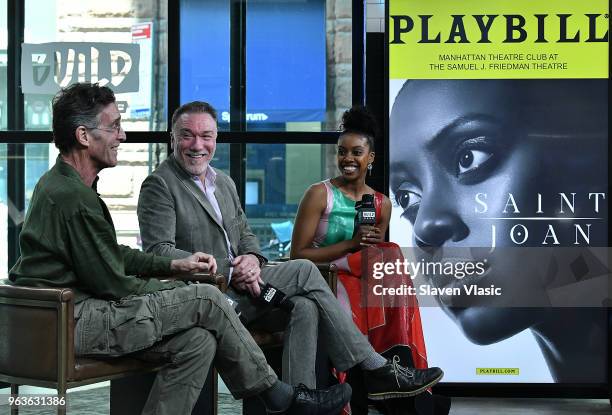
359, 120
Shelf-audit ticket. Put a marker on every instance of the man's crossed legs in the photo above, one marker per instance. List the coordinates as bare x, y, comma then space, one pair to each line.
190, 327
317, 307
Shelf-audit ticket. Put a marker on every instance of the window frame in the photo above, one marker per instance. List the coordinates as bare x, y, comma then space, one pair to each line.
238, 136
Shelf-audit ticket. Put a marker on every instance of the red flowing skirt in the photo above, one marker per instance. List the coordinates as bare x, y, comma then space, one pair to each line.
388, 321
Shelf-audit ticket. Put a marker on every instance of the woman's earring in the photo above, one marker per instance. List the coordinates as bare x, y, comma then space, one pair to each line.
369, 169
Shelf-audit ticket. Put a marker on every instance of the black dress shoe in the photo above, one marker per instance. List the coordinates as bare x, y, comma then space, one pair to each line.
319, 402
396, 381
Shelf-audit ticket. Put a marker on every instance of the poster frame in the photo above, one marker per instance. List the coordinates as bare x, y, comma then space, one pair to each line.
505, 389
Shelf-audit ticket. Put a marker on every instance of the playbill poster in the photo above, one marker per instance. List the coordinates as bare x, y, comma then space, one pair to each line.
498, 138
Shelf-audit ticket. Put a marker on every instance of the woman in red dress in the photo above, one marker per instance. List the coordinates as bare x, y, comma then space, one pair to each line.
325, 231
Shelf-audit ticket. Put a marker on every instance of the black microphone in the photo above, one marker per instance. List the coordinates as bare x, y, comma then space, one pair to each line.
275, 297
366, 212
269, 295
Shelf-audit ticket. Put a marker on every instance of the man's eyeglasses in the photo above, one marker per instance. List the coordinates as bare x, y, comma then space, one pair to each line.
112, 129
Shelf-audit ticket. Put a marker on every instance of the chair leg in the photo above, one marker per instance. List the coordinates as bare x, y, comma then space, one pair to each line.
15, 393
215, 391
61, 409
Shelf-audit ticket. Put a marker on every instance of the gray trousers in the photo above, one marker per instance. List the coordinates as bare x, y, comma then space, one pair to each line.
315, 306
190, 328
194, 326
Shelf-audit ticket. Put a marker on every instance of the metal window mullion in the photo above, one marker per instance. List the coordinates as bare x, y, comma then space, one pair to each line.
174, 62
238, 92
46, 137
15, 152
15, 184
358, 52
375, 101
15, 24
278, 137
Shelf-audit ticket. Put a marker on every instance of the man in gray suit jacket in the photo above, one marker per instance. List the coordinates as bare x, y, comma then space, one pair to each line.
186, 206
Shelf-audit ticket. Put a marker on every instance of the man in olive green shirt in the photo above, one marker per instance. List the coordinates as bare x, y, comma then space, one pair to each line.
68, 240
68, 231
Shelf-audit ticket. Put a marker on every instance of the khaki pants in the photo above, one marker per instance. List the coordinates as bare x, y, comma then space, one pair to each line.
189, 327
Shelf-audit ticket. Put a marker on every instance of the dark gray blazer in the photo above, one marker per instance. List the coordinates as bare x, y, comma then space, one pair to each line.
176, 219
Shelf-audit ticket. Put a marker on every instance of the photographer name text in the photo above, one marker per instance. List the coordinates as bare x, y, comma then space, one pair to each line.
429, 290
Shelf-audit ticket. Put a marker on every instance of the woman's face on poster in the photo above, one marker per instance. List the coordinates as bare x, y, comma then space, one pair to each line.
458, 151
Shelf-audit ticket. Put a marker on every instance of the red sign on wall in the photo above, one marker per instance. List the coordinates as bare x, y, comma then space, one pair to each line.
141, 31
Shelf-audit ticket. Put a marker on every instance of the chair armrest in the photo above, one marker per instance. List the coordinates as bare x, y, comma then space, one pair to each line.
200, 277
326, 267
39, 323
207, 278
61, 295
330, 273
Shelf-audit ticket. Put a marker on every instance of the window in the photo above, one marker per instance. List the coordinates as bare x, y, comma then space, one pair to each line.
277, 177
3, 158
299, 57
298, 64
119, 44
37, 162
119, 187
3, 215
3, 64
297, 82
135, 67
221, 159
205, 54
